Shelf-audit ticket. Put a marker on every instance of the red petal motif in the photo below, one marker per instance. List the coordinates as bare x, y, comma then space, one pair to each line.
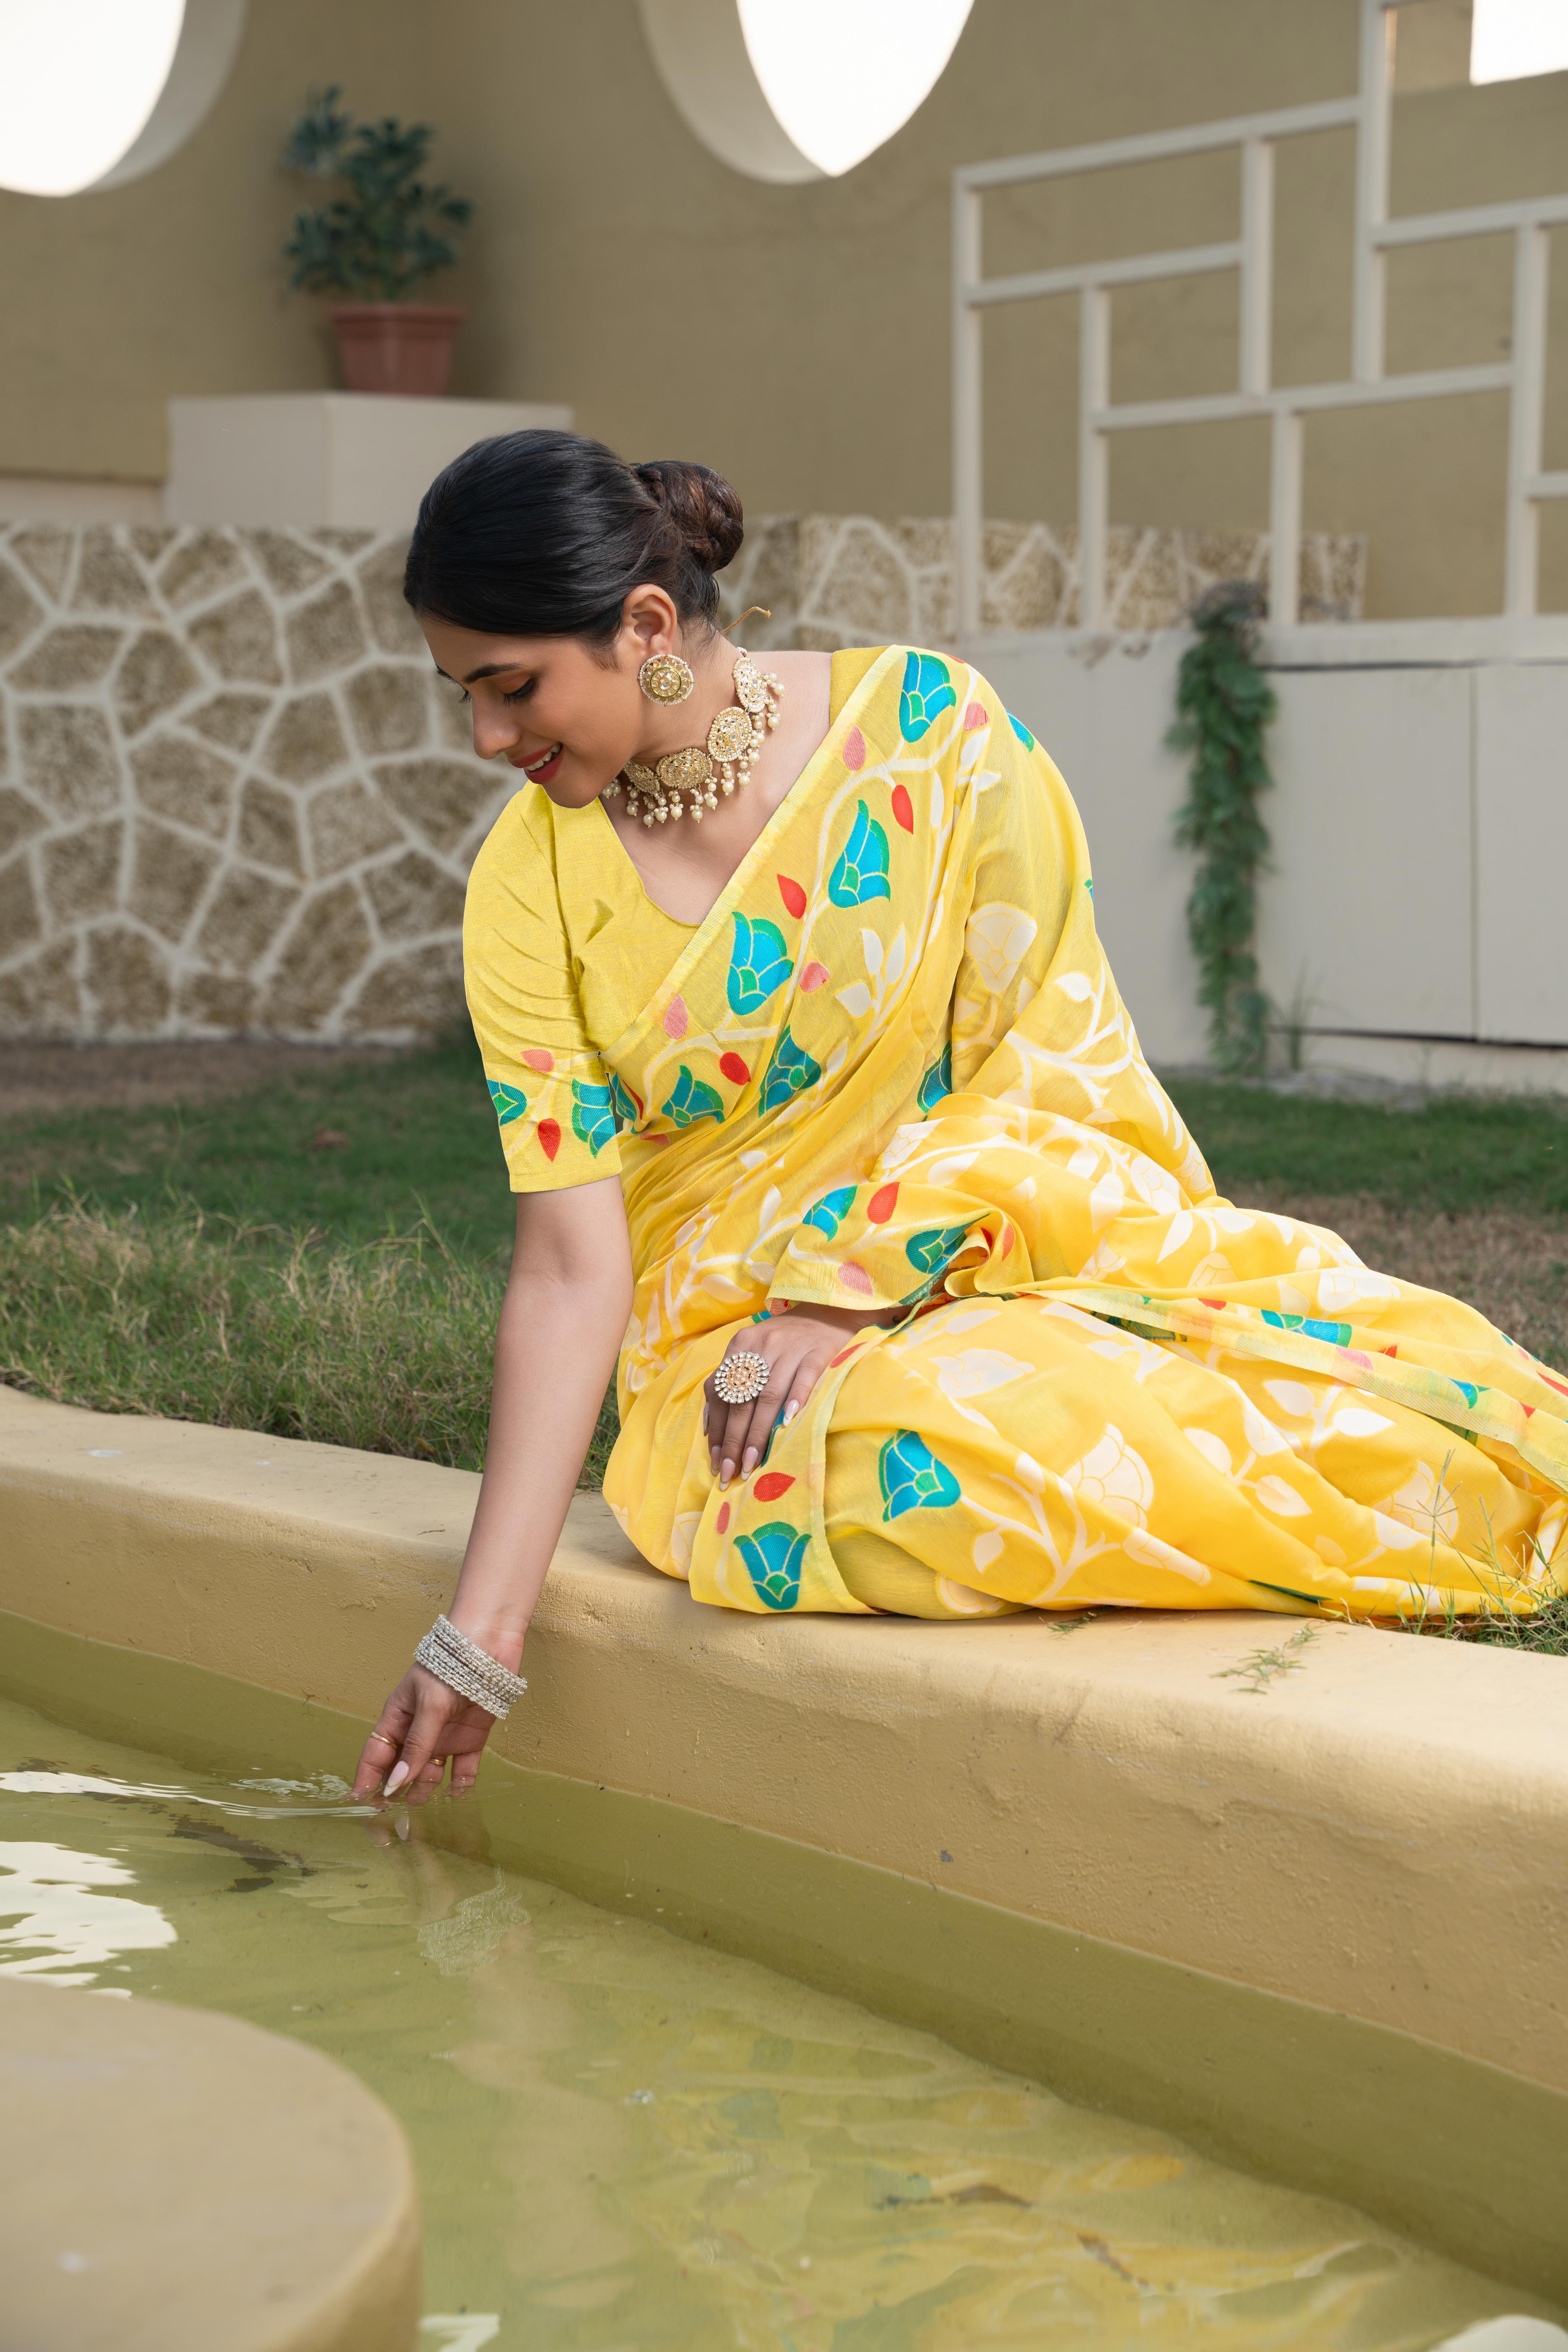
854, 1276
813, 977
549, 1138
734, 1069
722, 1521
793, 895
538, 1059
772, 1484
855, 749
880, 1205
903, 808
976, 715
677, 1020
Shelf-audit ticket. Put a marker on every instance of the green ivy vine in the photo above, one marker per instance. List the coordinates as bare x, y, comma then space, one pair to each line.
1225, 705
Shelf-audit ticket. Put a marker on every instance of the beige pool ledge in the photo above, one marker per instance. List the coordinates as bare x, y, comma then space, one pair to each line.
171, 2181
1320, 1929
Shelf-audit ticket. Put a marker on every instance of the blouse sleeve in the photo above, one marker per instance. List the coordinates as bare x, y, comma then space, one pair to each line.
551, 1093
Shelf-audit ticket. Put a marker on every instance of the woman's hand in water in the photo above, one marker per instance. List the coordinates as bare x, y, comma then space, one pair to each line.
423, 1724
798, 1346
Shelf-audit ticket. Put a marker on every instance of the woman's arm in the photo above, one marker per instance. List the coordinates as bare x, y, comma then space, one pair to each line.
562, 1323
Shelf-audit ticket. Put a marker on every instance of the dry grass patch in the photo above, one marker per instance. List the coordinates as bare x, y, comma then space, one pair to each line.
384, 1344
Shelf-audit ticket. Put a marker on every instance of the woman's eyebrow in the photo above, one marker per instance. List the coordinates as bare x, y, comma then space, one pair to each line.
491, 669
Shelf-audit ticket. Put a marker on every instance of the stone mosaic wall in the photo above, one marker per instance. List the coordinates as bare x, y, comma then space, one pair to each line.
235, 798
233, 795
846, 580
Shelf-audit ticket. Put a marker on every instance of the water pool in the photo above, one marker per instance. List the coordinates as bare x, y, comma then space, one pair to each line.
626, 2140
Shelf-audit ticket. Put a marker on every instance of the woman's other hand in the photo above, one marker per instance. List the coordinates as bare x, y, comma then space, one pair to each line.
421, 1726
798, 1347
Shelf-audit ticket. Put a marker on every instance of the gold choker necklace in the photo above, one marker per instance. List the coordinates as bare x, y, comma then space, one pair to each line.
734, 740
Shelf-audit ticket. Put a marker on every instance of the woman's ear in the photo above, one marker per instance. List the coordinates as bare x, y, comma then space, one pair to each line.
649, 623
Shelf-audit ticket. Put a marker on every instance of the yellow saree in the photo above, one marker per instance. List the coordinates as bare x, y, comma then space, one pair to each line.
891, 1068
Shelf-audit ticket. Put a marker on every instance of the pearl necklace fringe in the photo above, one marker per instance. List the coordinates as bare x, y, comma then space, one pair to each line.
734, 741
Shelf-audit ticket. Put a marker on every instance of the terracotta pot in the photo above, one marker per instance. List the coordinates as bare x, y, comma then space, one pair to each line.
402, 347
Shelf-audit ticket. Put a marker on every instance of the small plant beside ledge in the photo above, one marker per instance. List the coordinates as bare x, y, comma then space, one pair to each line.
374, 246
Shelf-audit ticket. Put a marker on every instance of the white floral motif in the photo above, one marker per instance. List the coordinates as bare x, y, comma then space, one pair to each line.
1281, 1499
1111, 1475
996, 940
1215, 1450
964, 1602
1346, 1286
973, 1372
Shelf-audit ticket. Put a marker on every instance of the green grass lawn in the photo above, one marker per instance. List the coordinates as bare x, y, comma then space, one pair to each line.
421, 1142
228, 1260
1457, 1152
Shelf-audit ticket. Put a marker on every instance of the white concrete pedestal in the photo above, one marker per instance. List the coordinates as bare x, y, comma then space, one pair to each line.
362, 461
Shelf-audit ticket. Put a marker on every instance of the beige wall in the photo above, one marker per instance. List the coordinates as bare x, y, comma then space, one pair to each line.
797, 337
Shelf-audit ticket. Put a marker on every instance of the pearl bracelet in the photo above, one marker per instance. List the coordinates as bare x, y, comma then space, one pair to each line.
471, 1672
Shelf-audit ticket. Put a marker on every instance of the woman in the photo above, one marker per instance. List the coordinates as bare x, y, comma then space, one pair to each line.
824, 1113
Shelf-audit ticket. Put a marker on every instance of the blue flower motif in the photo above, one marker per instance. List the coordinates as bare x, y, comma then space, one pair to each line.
787, 1073
913, 1478
1089, 884
827, 1215
758, 964
624, 1103
1021, 731
1469, 1392
690, 1100
927, 693
937, 1082
861, 872
510, 1102
773, 1557
593, 1117
932, 1248
1338, 1335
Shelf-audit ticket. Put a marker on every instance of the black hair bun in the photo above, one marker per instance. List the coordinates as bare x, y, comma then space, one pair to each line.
701, 506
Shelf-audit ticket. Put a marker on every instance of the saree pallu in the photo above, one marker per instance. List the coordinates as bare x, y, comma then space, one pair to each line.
891, 1070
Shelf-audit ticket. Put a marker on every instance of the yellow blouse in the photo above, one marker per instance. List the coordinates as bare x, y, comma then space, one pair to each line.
562, 949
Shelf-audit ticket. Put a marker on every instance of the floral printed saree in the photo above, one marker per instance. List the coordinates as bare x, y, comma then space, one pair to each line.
891, 1070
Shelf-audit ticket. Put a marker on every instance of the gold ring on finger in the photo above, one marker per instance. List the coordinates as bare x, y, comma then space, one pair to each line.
740, 1377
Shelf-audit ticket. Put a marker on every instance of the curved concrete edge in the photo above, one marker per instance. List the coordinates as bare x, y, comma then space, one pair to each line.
170, 2180
1316, 1927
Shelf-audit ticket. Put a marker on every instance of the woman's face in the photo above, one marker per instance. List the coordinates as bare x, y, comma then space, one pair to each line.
567, 715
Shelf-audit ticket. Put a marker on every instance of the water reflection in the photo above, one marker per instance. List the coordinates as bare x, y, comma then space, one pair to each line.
626, 2140
54, 1922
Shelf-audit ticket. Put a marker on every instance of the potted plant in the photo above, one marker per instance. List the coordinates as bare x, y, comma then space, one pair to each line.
374, 245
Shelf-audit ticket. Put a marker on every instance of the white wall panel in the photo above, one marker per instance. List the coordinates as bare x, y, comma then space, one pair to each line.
1419, 822
1368, 909
1521, 762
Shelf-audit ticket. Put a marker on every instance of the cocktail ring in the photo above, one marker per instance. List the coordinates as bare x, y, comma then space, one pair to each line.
740, 1377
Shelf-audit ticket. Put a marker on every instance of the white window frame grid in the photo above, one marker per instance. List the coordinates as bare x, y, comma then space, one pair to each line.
1522, 376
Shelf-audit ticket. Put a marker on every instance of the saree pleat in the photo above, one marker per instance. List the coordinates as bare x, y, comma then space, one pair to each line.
891, 1070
